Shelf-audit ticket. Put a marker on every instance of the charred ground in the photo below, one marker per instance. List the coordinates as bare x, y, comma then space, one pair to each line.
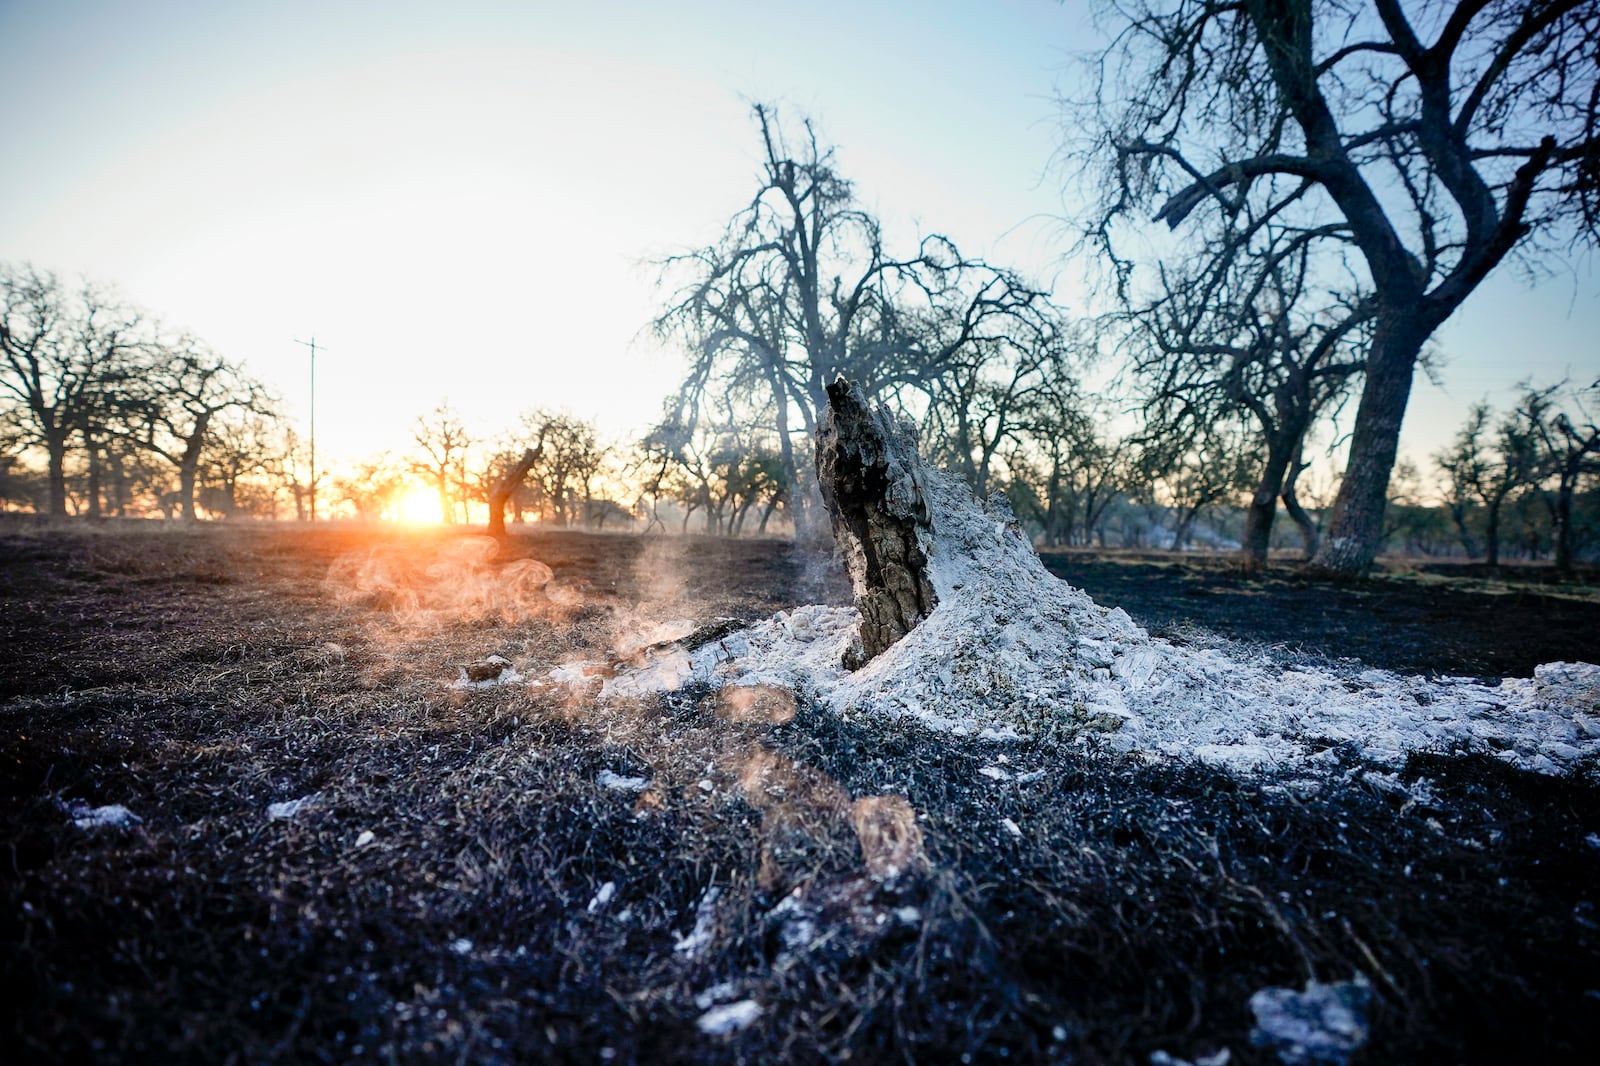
198, 676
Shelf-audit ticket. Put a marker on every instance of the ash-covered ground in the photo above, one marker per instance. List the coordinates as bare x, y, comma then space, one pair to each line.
332, 849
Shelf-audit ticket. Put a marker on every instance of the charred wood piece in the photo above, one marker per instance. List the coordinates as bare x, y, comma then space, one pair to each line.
871, 483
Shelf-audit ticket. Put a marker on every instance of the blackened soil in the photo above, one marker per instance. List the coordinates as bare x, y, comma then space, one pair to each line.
462, 885
1443, 619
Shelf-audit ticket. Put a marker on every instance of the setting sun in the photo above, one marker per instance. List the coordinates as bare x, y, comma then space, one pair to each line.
418, 507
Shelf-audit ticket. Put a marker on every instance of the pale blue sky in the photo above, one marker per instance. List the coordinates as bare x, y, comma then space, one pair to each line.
455, 197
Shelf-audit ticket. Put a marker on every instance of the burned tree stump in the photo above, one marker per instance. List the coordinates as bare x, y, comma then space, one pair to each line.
869, 472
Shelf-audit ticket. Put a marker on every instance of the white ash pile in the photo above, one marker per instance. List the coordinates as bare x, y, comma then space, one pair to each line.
994, 644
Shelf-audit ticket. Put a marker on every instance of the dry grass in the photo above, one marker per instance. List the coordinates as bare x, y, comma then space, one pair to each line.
870, 895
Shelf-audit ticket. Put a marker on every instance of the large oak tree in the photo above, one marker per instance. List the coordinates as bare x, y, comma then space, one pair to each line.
803, 287
1420, 146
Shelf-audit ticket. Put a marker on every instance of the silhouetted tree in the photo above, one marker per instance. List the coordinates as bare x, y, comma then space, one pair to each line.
1566, 435
1068, 468
567, 457
1197, 471
1482, 467
442, 441
372, 486
1243, 334
505, 478
800, 290
242, 447
1420, 148
182, 389
63, 354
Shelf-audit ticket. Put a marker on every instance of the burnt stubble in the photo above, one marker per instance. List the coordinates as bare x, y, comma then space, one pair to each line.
197, 676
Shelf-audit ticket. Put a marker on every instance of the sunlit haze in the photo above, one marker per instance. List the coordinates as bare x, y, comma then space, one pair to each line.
459, 201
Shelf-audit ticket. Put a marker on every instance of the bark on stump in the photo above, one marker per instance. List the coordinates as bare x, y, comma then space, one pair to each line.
868, 469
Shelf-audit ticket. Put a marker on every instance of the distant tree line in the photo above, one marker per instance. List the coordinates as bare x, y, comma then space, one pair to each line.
1337, 180
125, 415
1236, 361
1526, 481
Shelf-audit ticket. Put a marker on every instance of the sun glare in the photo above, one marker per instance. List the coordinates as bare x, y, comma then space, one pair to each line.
419, 507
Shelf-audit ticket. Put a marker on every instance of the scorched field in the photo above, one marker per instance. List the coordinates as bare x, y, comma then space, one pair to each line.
268, 797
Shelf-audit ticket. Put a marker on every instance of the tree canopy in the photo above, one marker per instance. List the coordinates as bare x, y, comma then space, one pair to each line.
1408, 152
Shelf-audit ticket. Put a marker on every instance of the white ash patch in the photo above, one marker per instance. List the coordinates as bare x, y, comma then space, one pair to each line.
856, 910
721, 992
694, 943
1011, 650
618, 783
659, 634
1325, 1024
602, 898
110, 816
574, 673
286, 809
730, 1019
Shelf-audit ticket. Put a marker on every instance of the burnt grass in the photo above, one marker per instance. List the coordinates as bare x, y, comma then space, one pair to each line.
196, 676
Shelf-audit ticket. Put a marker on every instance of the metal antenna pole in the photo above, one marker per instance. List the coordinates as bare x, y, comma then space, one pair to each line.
312, 344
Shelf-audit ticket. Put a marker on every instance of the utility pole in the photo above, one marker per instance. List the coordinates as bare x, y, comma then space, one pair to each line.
312, 344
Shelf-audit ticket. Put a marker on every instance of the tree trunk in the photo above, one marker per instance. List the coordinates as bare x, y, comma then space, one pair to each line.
1561, 522
56, 448
93, 490
1308, 525
187, 474
1458, 515
1181, 535
1355, 531
867, 467
119, 483
1262, 509
503, 491
1491, 533
446, 508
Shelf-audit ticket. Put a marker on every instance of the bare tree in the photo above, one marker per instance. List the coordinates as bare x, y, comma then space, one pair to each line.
505, 479
1428, 146
1565, 429
183, 387
1245, 333
1484, 472
568, 456
1195, 472
800, 291
443, 442
372, 486
985, 403
242, 448
1067, 468
62, 355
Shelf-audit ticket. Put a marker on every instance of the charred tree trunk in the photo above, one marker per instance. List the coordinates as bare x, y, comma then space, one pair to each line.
867, 468
1491, 532
92, 491
1561, 525
1263, 508
56, 449
1355, 532
1298, 514
503, 491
